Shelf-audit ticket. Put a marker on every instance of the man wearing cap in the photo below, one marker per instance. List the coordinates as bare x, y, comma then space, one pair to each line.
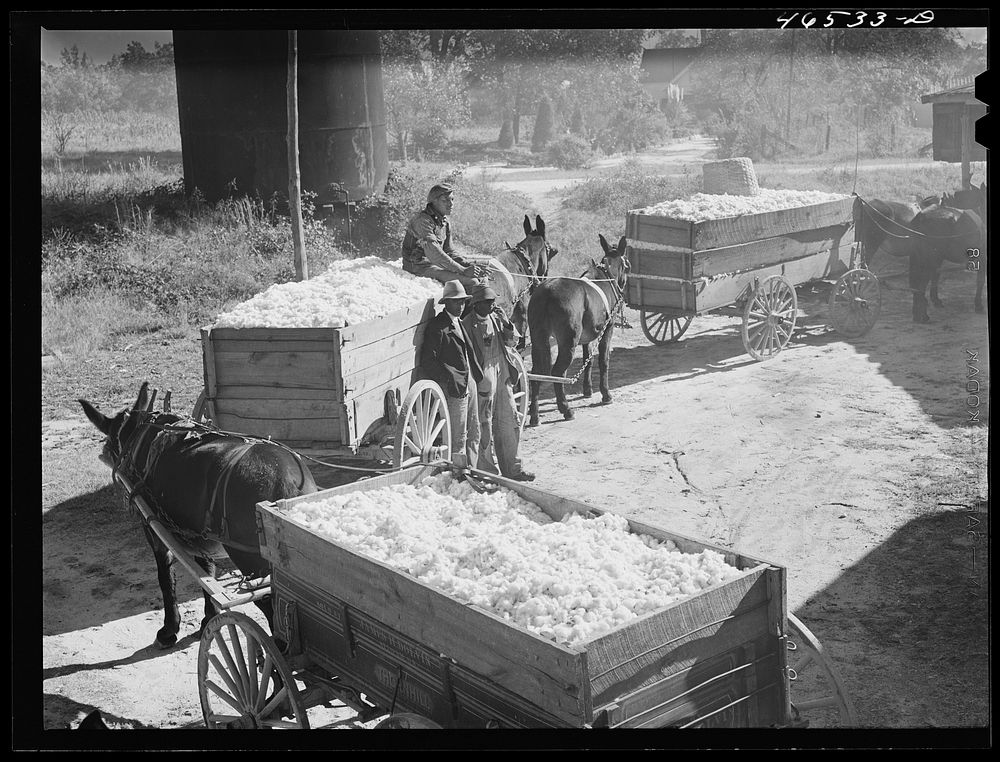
427, 246
447, 357
499, 434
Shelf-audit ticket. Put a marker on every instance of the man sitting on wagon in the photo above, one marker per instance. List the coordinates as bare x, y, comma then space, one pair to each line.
427, 248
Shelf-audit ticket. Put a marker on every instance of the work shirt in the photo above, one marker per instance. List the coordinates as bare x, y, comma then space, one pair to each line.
427, 241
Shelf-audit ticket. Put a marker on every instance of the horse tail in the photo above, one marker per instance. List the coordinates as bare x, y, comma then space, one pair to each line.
538, 328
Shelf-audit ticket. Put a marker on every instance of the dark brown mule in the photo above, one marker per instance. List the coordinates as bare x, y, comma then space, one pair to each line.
942, 232
974, 200
576, 311
204, 486
878, 223
528, 264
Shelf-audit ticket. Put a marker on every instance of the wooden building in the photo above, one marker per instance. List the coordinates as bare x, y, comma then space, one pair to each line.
666, 73
955, 112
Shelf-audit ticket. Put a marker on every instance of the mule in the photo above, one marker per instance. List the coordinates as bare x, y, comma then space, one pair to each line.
204, 486
528, 263
576, 311
945, 233
883, 225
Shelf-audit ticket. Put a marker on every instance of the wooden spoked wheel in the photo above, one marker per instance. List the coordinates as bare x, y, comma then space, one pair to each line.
855, 303
664, 327
520, 390
406, 721
243, 679
817, 692
423, 424
769, 317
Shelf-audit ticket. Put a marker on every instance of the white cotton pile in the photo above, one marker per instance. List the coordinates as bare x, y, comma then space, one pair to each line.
351, 291
706, 206
571, 580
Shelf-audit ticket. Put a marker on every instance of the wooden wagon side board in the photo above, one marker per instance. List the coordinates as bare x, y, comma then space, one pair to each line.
712, 234
518, 660
725, 289
674, 262
739, 620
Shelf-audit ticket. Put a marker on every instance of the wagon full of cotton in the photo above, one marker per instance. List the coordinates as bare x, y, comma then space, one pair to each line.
328, 365
482, 602
748, 256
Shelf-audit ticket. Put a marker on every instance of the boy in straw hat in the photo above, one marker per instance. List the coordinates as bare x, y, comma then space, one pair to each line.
447, 357
499, 433
427, 248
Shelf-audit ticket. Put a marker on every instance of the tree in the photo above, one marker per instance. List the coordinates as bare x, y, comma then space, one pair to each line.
72, 58
425, 98
542, 133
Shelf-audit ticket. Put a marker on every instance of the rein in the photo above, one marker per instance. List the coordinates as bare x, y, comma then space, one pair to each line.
913, 233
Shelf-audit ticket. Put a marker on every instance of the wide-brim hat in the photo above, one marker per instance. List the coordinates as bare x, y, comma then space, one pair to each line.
441, 189
453, 289
483, 294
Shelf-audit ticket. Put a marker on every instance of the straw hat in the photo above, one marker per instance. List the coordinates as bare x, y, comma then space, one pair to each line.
453, 289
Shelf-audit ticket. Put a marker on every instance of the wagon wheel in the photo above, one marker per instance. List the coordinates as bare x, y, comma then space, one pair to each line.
406, 721
769, 317
423, 422
243, 679
816, 689
855, 303
664, 327
519, 389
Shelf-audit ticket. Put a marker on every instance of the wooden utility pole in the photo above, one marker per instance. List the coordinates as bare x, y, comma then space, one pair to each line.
294, 183
966, 149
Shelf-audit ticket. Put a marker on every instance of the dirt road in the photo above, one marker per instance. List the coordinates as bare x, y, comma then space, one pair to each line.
858, 465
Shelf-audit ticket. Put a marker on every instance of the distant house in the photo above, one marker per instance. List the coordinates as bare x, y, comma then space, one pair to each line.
666, 73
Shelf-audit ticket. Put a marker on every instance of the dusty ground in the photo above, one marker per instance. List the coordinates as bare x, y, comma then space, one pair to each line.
851, 463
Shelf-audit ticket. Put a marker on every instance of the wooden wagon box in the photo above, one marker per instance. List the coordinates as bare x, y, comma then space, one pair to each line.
321, 388
698, 266
714, 659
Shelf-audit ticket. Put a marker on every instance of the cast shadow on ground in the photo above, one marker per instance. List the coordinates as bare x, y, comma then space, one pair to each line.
93, 548
918, 604
152, 651
56, 705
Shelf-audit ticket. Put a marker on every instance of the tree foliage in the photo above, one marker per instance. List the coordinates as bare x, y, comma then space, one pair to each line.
421, 100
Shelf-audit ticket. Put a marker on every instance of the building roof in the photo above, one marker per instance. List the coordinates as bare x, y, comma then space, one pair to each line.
964, 93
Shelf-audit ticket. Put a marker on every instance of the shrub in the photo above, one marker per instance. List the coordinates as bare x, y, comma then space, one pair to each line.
570, 152
429, 139
542, 133
576, 125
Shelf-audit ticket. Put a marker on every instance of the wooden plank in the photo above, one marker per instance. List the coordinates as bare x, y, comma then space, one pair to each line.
654, 295
701, 626
208, 363
282, 430
362, 334
712, 234
367, 379
309, 370
369, 406
672, 262
726, 289
327, 336
246, 391
514, 658
279, 409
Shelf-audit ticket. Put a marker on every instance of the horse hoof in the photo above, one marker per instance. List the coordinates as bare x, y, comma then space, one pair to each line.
568, 415
921, 319
163, 642
605, 400
532, 424
587, 395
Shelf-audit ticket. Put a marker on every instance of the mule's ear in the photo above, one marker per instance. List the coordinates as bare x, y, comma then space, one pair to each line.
506, 244
551, 253
527, 225
622, 243
540, 226
143, 399
96, 417
604, 243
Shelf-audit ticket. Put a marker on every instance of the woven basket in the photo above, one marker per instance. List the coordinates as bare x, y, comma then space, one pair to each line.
733, 176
